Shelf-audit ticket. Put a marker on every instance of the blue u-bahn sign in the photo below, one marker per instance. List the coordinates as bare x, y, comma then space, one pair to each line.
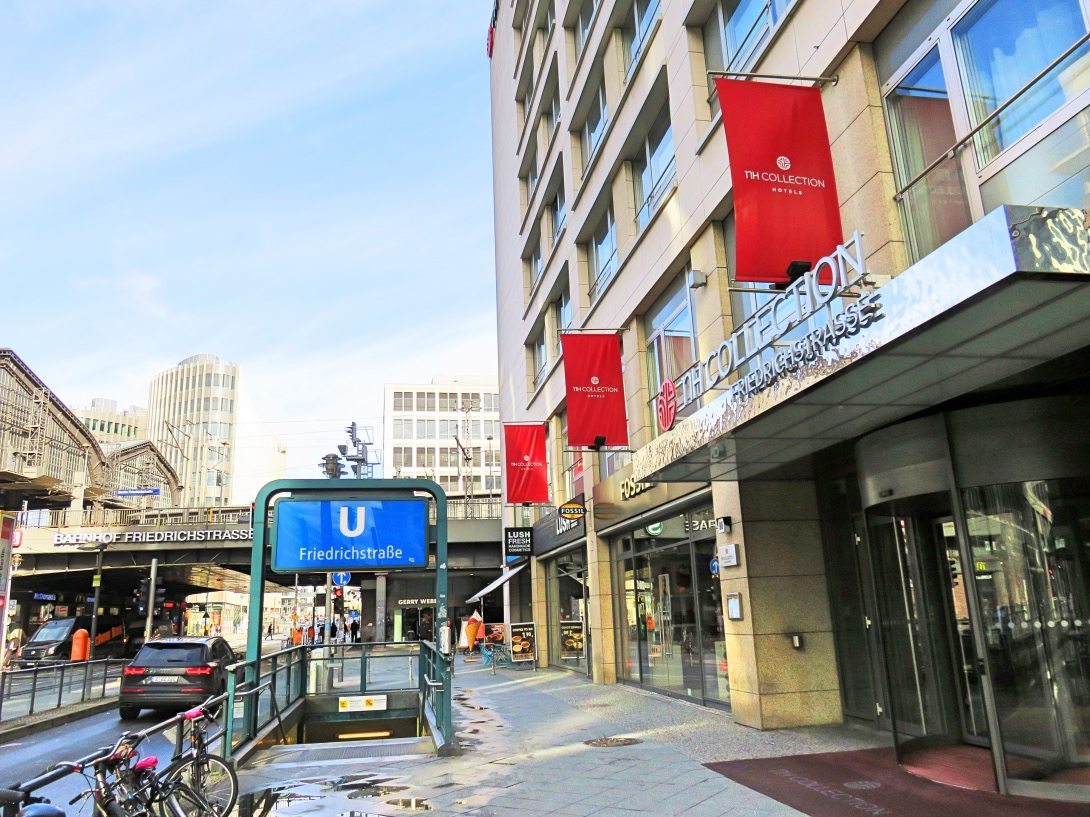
341, 535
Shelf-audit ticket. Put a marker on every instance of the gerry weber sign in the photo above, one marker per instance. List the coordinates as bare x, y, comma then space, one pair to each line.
806, 300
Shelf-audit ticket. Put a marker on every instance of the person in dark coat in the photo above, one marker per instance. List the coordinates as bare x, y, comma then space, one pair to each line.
355, 628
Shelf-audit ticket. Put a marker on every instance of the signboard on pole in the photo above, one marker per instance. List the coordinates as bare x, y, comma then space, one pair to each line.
517, 543
524, 641
328, 536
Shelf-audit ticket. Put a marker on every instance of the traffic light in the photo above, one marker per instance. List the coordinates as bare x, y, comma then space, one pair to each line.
160, 592
338, 600
353, 433
332, 466
142, 596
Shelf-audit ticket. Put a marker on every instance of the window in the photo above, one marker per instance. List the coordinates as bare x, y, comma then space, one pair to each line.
403, 401
448, 457
535, 265
425, 401
539, 359
571, 461
402, 429
425, 458
425, 429
562, 316
583, 23
734, 34
553, 113
403, 458
594, 126
531, 168
602, 254
1034, 152
653, 168
636, 30
558, 212
671, 339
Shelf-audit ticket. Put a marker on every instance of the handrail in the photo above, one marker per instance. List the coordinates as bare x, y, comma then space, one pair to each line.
954, 149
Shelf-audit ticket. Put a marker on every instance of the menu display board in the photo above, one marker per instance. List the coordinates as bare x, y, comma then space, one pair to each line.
571, 639
524, 642
493, 633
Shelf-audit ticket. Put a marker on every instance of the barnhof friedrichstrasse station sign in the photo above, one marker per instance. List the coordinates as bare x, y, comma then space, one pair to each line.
810, 298
148, 537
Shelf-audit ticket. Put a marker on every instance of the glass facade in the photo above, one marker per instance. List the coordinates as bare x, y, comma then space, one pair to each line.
566, 600
669, 610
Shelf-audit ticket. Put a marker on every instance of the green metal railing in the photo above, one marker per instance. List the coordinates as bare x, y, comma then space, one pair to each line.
287, 676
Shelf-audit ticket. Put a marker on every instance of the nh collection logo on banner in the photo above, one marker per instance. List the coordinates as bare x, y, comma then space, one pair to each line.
595, 387
786, 211
526, 477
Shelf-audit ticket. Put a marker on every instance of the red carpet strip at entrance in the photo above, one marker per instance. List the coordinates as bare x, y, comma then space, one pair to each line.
869, 781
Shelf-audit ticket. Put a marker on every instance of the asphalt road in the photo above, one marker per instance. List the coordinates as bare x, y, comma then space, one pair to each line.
30, 756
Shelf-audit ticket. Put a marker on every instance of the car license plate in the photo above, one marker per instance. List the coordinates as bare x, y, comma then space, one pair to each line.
163, 679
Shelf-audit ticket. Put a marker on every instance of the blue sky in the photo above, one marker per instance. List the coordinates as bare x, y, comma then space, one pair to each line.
302, 188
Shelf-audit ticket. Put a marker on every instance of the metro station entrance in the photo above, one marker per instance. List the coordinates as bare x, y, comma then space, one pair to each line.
981, 592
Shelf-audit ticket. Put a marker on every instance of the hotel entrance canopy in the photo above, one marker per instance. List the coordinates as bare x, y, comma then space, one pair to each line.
1007, 294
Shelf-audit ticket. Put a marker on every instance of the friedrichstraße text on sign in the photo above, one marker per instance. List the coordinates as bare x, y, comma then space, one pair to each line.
804, 300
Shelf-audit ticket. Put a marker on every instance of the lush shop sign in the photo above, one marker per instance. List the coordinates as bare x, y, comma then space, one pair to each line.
758, 344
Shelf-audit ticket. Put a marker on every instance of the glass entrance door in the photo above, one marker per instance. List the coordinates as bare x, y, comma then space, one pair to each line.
1031, 558
933, 673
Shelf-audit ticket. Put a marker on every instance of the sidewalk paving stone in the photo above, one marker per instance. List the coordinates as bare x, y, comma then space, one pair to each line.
524, 755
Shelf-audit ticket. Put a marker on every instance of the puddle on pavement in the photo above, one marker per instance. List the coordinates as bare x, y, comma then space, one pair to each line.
288, 801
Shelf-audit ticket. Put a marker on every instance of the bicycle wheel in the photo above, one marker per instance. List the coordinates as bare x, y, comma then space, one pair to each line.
213, 782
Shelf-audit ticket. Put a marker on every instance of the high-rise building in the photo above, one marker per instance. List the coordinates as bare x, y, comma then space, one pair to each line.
108, 425
849, 494
192, 416
447, 431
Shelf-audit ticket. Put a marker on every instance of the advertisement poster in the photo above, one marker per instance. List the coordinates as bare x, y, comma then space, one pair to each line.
494, 633
571, 639
523, 642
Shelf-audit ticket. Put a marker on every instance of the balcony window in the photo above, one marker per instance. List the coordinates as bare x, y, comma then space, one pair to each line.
734, 34
571, 460
653, 169
602, 254
583, 24
553, 114
562, 316
540, 359
637, 31
594, 126
535, 265
558, 213
671, 340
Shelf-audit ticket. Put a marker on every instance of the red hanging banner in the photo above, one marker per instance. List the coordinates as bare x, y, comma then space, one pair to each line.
595, 386
786, 211
526, 476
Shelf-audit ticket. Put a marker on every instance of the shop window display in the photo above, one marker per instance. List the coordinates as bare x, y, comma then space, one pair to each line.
671, 634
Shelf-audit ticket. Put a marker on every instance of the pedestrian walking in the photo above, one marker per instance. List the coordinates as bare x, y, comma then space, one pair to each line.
355, 629
268, 634
332, 631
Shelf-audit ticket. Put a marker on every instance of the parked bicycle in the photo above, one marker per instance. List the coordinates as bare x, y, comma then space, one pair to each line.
121, 783
495, 655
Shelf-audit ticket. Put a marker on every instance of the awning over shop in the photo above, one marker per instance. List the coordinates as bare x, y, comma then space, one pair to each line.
1007, 294
506, 576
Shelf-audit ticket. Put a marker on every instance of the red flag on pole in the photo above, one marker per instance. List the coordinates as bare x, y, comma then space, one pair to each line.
786, 211
595, 386
526, 476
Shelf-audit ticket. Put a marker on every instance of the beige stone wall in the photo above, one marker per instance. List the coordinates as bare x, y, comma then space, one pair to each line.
773, 684
781, 579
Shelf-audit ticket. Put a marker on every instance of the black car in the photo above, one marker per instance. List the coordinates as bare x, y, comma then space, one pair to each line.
52, 642
174, 673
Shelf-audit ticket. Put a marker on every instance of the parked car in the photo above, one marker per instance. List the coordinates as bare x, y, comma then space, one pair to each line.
174, 673
135, 636
52, 642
